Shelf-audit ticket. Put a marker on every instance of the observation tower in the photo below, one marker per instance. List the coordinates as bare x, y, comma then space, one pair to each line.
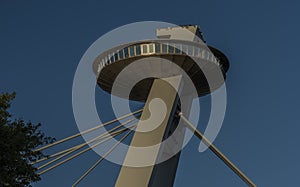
166, 74
181, 46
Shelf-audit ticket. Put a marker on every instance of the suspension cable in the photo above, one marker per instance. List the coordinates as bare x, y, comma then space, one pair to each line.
88, 130
101, 159
72, 149
216, 151
85, 150
104, 135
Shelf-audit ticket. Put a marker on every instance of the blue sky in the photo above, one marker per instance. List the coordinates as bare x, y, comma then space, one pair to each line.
42, 42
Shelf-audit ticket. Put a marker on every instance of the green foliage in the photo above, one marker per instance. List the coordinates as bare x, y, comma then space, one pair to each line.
18, 141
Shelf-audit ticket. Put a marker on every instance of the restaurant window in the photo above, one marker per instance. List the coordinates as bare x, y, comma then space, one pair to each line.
126, 52
151, 48
171, 48
164, 48
121, 55
190, 50
196, 51
116, 56
138, 50
111, 57
157, 47
145, 49
178, 48
131, 51
184, 49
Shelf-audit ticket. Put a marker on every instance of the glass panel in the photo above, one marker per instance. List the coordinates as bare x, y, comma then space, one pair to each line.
178, 48
200, 52
108, 60
138, 49
184, 49
126, 52
151, 50
131, 51
116, 56
171, 48
121, 54
190, 50
157, 47
111, 57
164, 48
145, 49
196, 51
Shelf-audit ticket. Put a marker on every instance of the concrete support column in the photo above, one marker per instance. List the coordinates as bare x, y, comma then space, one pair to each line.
162, 90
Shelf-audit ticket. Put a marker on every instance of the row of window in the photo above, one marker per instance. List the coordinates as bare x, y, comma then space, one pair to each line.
157, 48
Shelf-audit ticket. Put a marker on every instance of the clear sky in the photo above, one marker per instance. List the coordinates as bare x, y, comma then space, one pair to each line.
42, 42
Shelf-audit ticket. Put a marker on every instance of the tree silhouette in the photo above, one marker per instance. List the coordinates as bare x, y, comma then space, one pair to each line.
18, 141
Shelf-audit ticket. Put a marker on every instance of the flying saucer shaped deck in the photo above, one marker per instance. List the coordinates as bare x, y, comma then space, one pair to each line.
185, 54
